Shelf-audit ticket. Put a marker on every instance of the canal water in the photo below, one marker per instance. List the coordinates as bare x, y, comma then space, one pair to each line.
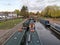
46, 36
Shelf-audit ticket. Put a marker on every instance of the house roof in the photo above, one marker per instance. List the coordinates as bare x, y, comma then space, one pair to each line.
2, 14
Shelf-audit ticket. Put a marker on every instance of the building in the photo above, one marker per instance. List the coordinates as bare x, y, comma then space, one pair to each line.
2, 16
12, 15
7, 15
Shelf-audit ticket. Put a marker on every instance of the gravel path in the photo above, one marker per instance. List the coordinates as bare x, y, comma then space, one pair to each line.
54, 21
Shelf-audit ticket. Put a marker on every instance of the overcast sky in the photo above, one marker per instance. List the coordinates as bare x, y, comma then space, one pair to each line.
33, 5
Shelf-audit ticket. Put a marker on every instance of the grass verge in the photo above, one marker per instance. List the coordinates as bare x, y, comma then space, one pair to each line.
9, 23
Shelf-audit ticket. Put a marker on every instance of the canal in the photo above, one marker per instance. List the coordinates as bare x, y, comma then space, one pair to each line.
47, 36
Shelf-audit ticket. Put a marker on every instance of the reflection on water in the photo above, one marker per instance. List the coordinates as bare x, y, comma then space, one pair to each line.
55, 34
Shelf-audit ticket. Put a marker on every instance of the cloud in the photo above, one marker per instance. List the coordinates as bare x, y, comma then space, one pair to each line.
33, 5
41, 4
